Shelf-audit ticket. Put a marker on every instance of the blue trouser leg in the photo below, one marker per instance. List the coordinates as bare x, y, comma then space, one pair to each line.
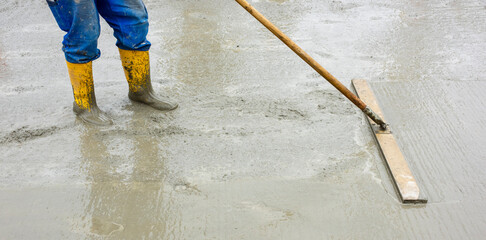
80, 20
129, 20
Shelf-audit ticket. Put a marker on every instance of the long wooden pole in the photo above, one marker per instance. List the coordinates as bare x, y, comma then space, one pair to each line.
315, 65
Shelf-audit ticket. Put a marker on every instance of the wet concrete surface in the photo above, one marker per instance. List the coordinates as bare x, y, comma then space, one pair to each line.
261, 147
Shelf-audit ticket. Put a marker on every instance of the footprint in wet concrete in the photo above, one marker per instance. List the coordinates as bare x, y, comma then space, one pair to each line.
104, 227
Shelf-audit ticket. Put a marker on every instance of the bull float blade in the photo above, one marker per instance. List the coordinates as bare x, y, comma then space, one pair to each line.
397, 166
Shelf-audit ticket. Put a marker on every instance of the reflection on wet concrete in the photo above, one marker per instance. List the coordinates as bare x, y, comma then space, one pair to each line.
125, 174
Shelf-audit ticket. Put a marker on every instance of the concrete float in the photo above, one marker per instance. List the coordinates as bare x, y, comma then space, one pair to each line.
397, 166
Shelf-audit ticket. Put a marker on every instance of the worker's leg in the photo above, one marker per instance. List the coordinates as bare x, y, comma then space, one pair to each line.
129, 20
80, 20
81, 75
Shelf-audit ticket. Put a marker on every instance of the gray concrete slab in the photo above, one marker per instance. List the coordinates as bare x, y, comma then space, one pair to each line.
261, 146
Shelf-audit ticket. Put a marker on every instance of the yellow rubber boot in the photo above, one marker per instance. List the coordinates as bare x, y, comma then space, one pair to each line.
81, 75
136, 65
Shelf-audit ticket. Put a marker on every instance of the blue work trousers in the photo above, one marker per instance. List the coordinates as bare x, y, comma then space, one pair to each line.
81, 22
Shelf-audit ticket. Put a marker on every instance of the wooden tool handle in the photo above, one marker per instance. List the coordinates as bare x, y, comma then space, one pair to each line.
302, 54
309, 60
